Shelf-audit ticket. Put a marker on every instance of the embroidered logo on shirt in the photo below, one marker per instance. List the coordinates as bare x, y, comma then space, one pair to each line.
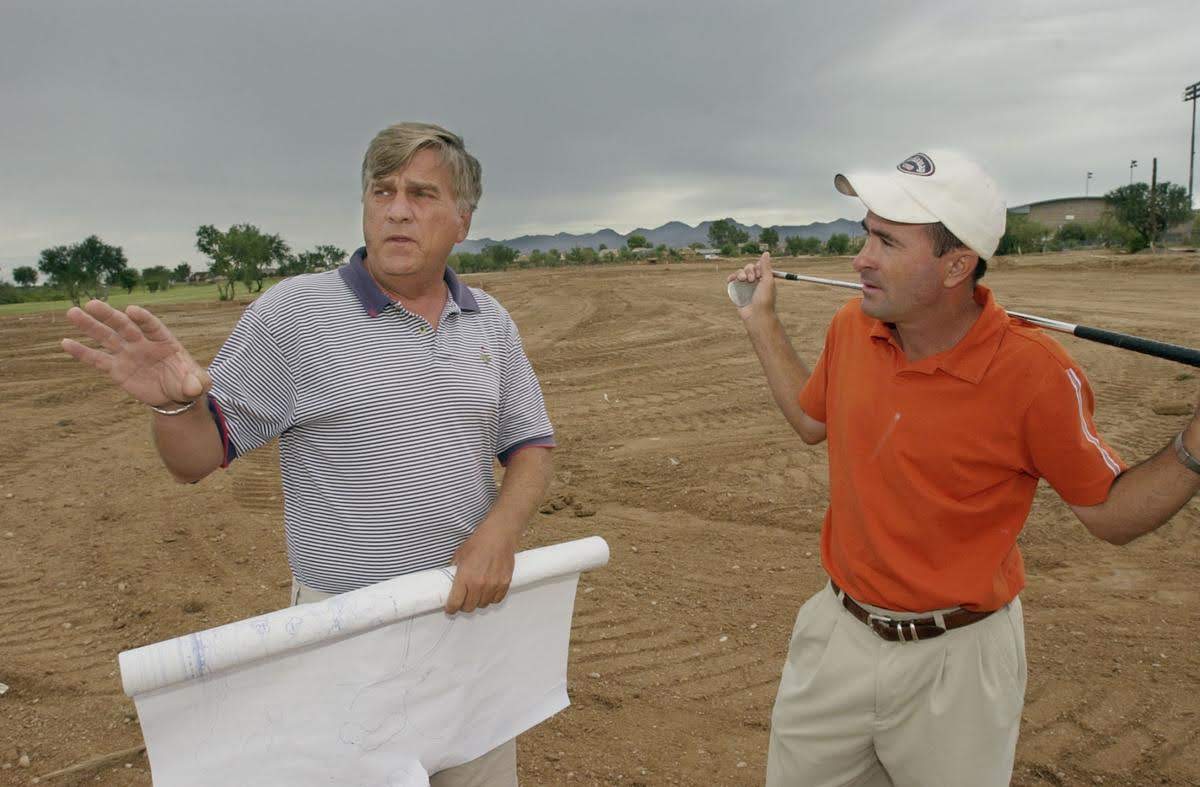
484, 355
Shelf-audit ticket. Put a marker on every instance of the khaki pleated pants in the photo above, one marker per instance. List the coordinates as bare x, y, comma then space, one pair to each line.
856, 710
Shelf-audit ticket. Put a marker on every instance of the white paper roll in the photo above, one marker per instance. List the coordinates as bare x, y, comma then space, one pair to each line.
204, 653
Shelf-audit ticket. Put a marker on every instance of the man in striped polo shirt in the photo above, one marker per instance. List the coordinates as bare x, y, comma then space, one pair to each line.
391, 386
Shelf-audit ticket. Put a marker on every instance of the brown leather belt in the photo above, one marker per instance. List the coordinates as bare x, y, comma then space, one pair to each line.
907, 630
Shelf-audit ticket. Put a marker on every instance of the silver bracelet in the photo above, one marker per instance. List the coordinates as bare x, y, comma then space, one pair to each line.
1185, 457
177, 411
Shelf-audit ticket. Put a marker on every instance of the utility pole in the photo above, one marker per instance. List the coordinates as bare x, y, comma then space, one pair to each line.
1189, 94
1087, 183
1132, 164
1153, 186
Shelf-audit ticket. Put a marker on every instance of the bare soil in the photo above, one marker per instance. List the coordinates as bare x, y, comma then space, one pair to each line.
671, 449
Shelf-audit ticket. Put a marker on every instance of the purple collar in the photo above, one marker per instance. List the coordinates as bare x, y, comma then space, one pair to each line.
374, 300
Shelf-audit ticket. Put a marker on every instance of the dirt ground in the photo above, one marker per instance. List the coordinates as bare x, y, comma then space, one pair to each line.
710, 504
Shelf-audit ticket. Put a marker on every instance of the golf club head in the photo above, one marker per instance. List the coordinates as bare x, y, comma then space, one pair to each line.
740, 292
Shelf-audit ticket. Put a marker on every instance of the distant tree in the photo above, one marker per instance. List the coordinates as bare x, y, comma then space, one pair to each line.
637, 242
1132, 206
156, 278
769, 236
696, 245
675, 254
1073, 233
725, 232
718, 232
211, 242
603, 246
838, 244
319, 258
1021, 234
728, 250
127, 279
465, 262
501, 255
277, 252
182, 272
1110, 233
798, 244
661, 249
25, 275
582, 255
241, 253
750, 248
301, 262
333, 255
83, 268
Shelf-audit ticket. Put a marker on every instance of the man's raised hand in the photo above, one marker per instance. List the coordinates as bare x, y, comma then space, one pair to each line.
138, 353
759, 274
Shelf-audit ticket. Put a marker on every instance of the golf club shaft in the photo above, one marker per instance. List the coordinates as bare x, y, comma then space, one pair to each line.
1125, 341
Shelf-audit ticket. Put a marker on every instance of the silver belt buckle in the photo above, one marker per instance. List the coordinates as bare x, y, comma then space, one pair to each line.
897, 625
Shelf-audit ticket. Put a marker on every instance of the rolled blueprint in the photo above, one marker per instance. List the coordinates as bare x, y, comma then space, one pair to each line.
377, 686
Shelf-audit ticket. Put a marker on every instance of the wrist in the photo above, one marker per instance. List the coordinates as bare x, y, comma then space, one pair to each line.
1187, 456
761, 321
501, 529
173, 408
1191, 437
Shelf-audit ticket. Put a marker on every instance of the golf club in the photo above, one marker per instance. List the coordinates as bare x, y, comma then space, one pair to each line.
740, 292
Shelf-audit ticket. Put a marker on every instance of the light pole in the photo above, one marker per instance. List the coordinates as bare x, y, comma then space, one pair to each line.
1189, 94
1086, 183
1132, 164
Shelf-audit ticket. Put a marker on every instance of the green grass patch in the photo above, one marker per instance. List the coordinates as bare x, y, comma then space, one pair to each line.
119, 299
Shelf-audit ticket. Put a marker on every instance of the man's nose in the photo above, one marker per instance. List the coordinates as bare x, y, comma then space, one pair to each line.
863, 259
399, 210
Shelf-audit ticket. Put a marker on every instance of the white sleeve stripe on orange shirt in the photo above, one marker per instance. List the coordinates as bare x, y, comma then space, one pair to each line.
1083, 424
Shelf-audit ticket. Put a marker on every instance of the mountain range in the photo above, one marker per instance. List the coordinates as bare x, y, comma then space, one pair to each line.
674, 234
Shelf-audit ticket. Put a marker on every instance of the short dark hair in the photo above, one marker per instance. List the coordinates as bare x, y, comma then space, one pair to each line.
944, 240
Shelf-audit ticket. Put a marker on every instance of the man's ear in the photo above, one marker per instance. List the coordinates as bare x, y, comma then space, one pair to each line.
962, 266
465, 222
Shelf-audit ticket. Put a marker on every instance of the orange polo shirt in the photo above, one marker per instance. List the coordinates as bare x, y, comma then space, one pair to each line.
933, 465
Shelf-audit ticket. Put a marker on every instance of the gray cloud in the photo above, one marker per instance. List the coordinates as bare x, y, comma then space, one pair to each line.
141, 120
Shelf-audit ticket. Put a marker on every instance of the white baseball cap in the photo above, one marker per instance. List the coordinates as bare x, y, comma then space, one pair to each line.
935, 186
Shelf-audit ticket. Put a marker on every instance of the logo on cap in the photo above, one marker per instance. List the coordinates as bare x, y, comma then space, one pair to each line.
917, 164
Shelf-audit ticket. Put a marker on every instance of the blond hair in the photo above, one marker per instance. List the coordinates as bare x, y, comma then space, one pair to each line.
393, 147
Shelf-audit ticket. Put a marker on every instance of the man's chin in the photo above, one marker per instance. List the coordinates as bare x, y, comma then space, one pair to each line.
874, 307
400, 260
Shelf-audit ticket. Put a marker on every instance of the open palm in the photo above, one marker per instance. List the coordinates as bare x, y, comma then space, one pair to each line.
138, 353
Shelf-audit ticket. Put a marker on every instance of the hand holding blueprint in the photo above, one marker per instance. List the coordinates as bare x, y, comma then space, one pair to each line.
377, 687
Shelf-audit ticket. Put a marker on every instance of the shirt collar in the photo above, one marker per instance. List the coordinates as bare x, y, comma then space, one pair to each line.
969, 359
374, 300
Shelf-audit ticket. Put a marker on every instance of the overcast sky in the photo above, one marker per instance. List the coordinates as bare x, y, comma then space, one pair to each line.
139, 121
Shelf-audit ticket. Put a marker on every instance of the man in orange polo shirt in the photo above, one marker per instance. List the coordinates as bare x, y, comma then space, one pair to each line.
941, 415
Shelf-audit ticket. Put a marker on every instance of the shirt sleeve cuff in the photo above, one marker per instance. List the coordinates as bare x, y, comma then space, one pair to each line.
228, 449
545, 441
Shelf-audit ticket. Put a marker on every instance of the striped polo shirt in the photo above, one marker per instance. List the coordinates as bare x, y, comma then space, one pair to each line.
387, 428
